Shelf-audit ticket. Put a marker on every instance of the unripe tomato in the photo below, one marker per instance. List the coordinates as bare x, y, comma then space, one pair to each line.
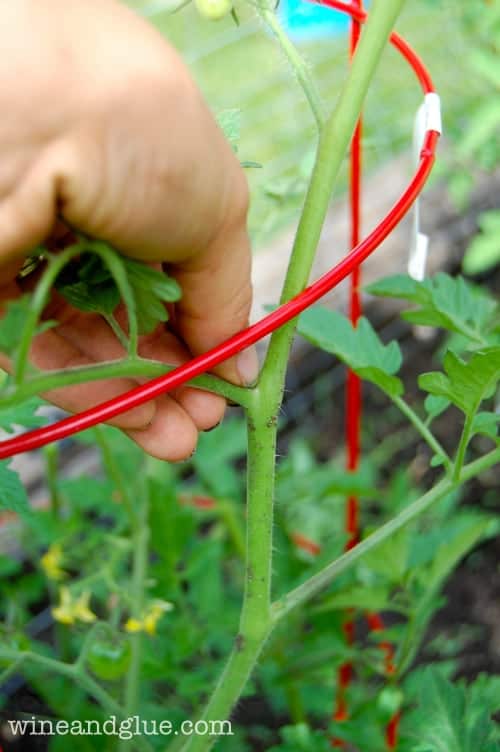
214, 10
109, 659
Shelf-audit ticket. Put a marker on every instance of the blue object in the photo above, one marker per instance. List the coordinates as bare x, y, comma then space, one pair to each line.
306, 20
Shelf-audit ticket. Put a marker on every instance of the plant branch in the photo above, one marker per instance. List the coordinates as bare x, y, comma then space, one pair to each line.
133, 367
422, 429
462, 446
297, 62
315, 584
139, 574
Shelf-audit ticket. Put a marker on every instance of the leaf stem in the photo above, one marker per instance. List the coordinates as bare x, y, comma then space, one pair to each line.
117, 330
422, 429
462, 446
135, 367
297, 63
115, 474
139, 574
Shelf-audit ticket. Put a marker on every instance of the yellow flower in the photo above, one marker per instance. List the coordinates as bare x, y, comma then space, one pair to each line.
68, 611
64, 612
51, 562
81, 608
150, 618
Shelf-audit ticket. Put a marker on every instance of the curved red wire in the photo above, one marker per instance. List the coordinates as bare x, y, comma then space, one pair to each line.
207, 362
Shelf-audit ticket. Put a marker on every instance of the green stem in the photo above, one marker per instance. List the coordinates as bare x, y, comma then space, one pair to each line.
423, 430
262, 411
116, 475
315, 584
14, 667
51, 453
297, 63
139, 575
332, 146
128, 367
462, 446
255, 619
117, 330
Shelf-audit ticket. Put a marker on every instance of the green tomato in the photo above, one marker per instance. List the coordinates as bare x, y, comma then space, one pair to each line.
109, 659
214, 10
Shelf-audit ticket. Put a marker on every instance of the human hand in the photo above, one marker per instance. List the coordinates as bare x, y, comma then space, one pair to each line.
104, 128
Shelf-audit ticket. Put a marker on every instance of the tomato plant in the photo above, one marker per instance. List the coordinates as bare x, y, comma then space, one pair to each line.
160, 579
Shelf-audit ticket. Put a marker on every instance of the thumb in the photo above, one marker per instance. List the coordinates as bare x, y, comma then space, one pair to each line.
216, 298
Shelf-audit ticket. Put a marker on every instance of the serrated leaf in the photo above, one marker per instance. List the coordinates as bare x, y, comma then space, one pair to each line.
451, 717
444, 301
89, 286
100, 298
359, 347
23, 415
13, 496
466, 384
12, 323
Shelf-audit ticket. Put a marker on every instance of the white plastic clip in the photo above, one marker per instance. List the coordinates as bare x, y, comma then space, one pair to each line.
417, 258
432, 104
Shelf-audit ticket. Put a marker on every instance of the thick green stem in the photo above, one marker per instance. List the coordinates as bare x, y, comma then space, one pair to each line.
255, 619
332, 147
265, 403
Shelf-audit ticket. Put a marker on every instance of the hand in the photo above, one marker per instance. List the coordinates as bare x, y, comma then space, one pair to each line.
104, 128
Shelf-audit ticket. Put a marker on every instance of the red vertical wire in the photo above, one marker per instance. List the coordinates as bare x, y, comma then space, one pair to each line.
353, 386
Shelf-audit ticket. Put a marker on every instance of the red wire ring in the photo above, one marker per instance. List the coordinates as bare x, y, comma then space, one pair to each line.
206, 362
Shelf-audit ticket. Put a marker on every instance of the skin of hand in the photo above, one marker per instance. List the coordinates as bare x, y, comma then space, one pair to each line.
104, 129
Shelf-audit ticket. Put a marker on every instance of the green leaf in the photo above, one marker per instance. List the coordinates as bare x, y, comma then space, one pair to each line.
88, 285
13, 496
483, 252
446, 302
22, 415
359, 347
435, 405
466, 384
451, 717
151, 289
486, 424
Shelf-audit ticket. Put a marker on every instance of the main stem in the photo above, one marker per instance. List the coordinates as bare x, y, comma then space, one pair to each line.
262, 411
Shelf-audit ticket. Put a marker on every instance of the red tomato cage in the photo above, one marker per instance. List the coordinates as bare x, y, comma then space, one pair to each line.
206, 362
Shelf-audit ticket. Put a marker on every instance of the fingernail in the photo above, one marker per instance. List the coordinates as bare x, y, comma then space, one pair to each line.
247, 364
207, 430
